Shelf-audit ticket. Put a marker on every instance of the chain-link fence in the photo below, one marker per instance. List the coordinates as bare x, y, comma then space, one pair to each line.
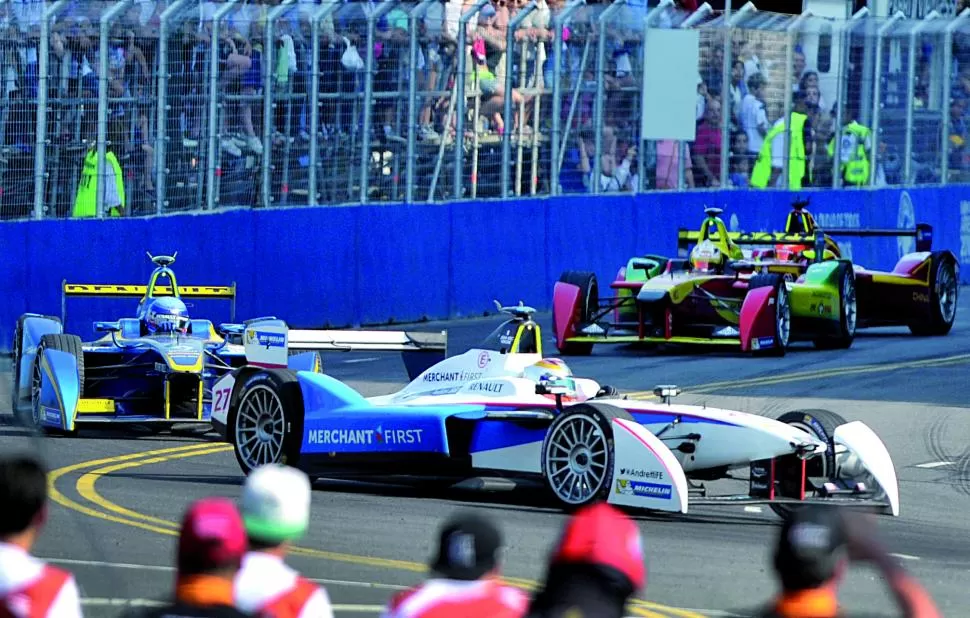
131, 108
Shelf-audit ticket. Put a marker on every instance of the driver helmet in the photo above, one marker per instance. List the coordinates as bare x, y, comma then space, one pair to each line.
552, 372
167, 315
706, 256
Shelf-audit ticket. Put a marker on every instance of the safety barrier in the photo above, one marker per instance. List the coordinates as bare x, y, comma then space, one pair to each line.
210, 105
371, 264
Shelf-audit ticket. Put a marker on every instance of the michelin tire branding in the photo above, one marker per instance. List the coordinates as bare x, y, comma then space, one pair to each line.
648, 490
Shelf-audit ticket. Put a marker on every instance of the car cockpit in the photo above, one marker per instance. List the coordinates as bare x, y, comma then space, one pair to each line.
714, 248
518, 335
801, 221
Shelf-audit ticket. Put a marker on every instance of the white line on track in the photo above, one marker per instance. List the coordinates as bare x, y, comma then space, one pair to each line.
935, 464
361, 360
158, 567
905, 556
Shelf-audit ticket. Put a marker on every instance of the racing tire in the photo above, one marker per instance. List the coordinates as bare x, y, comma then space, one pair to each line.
590, 460
64, 343
820, 424
782, 305
944, 290
589, 297
848, 312
266, 421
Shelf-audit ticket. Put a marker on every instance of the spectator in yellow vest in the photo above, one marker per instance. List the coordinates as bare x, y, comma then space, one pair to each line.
770, 163
86, 200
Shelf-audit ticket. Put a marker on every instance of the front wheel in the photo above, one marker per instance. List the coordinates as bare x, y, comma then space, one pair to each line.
267, 420
578, 454
944, 289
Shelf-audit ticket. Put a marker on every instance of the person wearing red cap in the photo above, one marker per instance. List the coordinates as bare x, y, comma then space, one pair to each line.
211, 547
595, 568
468, 585
28, 586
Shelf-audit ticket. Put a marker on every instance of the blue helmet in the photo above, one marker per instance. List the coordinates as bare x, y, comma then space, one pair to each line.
167, 315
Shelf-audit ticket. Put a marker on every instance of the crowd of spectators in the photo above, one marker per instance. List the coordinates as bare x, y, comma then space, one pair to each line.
752, 102
231, 561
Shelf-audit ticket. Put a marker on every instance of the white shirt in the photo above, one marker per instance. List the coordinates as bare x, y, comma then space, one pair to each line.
264, 577
753, 118
19, 569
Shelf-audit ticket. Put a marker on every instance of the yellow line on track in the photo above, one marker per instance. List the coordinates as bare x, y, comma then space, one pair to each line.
86, 488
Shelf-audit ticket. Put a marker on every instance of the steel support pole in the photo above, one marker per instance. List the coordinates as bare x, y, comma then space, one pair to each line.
161, 142
40, 139
598, 102
461, 101
103, 67
846, 40
731, 22
790, 31
951, 27
558, 23
413, 16
269, 87
213, 150
507, 111
382, 9
876, 103
911, 94
328, 7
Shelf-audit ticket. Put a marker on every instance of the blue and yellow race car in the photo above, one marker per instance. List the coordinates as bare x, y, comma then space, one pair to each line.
155, 368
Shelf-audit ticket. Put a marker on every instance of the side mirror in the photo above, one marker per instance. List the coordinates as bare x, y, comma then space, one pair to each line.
107, 327
666, 392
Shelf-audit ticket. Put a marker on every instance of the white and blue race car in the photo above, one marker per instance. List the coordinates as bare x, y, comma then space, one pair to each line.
502, 411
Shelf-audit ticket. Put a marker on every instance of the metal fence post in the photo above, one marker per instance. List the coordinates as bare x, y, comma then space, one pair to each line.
460, 101
951, 27
413, 16
161, 146
911, 94
328, 7
214, 103
40, 142
786, 111
105, 21
558, 23
269, 82
843, 93
598, 108
876, 103
701, 12
507, 110
381, 10
730, 22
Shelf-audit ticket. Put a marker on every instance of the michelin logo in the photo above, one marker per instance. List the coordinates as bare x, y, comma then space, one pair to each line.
648, 490
262, 338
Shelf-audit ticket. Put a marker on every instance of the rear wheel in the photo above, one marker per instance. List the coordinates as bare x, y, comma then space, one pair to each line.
266, 425
578, 454
819, 424
944, 289
782, 315
588, 298
847, 312
63, 343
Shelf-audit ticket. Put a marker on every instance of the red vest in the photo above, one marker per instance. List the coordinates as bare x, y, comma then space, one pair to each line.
37, 596
290, 603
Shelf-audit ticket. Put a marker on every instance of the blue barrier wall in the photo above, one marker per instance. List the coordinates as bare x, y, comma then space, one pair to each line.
342, 266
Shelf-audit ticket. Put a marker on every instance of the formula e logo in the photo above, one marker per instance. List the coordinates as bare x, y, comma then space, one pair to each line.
484, 359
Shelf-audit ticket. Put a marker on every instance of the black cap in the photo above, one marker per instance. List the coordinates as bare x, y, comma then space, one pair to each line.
468, 547
810, 546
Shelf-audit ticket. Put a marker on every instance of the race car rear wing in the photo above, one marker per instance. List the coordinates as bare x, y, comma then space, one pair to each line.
270, 342
419, 350
923, 232
101, 290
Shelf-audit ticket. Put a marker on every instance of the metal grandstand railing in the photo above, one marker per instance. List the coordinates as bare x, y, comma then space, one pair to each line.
212, 105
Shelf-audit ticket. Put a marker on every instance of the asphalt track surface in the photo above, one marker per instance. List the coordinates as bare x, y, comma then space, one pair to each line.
118, 497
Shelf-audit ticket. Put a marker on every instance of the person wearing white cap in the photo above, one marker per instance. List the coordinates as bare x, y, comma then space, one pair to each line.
276, 511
